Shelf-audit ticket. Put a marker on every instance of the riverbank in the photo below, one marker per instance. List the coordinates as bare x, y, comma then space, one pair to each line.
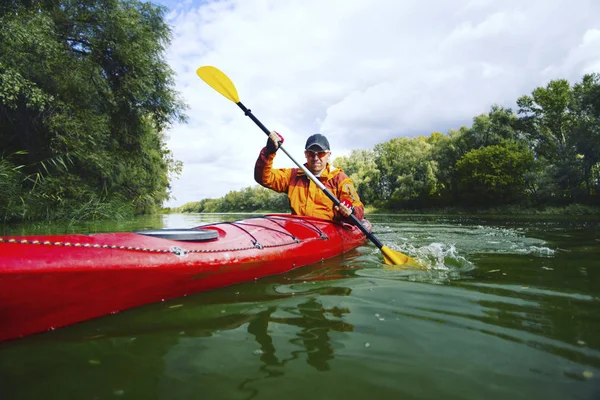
572, 209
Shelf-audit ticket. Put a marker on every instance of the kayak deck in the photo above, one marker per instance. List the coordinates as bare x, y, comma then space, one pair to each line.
56, 280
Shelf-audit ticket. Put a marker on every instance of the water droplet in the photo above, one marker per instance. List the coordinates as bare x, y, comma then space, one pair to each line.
367, 344
258, 352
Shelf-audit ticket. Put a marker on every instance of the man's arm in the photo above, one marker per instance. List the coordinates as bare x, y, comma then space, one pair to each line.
267, 176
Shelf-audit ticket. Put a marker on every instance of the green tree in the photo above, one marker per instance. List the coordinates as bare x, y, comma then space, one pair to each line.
549, 114
494, 175
408, 173
562, 124
85, 98
586, 133
362, 168
492, 128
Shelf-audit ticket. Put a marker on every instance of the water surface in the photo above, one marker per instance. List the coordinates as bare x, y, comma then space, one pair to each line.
508, 308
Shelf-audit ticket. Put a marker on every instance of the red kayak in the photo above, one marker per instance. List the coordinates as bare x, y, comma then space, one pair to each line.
51, 281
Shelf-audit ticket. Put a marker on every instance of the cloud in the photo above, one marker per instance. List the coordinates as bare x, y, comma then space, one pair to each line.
360, 72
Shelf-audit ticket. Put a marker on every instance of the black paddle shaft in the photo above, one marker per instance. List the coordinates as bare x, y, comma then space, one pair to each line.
335, 200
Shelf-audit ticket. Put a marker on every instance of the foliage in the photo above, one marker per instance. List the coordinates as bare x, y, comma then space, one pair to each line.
85, 99
563, 125
362, 168
547, 155
250, 199
494, 175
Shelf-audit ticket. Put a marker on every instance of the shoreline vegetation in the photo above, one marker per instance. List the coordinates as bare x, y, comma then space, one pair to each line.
571, 209
86, 109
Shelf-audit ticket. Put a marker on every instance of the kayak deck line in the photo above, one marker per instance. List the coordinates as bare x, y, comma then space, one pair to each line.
50, 281
174, 250
180, 251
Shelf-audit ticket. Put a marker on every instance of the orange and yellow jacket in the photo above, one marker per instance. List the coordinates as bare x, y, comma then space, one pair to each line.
305, 197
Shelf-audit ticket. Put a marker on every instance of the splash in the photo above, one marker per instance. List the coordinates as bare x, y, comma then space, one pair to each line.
437, 256
540, 251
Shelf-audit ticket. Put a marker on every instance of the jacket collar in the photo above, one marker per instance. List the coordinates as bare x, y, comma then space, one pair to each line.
327, 173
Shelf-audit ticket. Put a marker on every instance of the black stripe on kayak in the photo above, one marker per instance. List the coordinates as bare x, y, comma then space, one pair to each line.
186, 235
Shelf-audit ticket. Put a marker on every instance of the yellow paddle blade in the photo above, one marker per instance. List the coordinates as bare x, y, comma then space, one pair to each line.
392, 257
218, 81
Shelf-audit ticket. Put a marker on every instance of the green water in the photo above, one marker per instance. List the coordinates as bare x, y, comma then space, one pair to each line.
509, 308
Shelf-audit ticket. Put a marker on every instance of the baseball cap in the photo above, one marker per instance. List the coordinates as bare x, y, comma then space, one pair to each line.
317, 140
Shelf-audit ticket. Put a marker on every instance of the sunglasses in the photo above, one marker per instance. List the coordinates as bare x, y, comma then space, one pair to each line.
311, 154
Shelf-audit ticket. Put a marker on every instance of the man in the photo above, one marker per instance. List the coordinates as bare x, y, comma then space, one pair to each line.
305, 197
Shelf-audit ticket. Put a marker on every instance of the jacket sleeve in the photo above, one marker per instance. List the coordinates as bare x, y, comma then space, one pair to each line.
267, 176
346, 191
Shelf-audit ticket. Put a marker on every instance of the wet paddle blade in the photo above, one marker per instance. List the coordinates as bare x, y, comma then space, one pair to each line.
392, 257
218, 81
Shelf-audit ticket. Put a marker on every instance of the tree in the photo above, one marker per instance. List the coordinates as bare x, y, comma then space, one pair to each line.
408, 173
563, 125
492, 128
549, 111
361, 167
494, 175
85, 100
586, 133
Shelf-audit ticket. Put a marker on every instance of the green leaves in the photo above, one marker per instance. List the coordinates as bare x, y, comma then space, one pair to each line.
494, 175
87, 81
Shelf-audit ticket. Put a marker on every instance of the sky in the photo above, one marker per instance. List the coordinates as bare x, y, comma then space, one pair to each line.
360, 72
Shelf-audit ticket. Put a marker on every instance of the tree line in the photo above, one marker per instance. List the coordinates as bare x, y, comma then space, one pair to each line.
547, 154
86, 97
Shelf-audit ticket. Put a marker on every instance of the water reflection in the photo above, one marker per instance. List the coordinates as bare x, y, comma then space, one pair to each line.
313, 336
174, 343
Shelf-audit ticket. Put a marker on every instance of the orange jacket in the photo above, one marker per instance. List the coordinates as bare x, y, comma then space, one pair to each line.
305, 197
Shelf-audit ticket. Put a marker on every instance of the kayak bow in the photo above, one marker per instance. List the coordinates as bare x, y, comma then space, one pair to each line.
51, 281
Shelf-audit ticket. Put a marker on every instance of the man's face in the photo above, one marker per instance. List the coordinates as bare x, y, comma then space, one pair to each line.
316, 159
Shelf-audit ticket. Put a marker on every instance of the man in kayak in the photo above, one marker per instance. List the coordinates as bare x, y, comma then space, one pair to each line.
306, 198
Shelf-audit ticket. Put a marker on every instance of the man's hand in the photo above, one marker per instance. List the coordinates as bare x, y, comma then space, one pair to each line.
345, 208
274, 141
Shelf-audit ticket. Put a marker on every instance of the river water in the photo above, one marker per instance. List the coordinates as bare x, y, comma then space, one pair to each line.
508, 308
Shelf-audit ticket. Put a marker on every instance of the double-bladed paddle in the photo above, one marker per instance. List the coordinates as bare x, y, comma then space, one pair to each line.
222, 84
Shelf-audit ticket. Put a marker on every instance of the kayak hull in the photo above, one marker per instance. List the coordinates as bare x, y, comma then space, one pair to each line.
47, 282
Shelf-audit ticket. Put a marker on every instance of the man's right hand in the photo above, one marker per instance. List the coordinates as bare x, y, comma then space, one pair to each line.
274, 141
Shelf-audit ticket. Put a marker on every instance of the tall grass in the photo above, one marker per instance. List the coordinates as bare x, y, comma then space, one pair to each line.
53, 194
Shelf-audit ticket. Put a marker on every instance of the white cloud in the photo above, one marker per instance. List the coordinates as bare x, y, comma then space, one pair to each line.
360, 72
